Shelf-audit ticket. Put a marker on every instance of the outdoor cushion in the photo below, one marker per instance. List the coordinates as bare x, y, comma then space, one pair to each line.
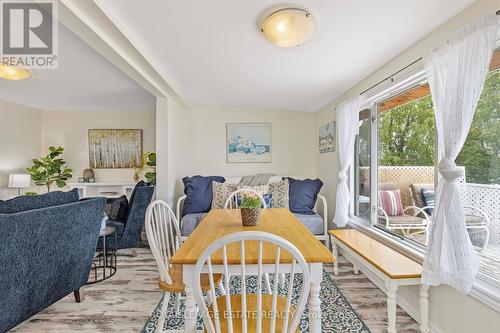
314, 223
428, 199
30, 202
390, 202
405, 219
198, 190
473, 219
303, 195
387, 186
416, 193
189, 222
119, 225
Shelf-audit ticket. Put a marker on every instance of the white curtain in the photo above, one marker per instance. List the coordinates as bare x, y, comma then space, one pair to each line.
347, 125
456, 72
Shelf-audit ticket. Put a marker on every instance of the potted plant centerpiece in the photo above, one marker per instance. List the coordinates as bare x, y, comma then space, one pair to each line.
250, 209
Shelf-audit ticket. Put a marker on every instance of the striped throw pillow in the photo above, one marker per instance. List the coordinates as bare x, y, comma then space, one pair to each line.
390, 202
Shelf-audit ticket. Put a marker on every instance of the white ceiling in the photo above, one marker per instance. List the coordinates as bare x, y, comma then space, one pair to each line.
84, 81
214, 53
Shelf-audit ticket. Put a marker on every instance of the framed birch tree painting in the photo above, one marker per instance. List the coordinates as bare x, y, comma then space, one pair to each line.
115, 148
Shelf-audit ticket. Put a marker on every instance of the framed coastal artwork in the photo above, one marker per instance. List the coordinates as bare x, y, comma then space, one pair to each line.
327, 137
248, 142
115, 148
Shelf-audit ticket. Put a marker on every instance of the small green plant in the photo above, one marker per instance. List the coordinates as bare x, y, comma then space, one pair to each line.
30, 193
50, 169
151, 175
138, 168
250, 201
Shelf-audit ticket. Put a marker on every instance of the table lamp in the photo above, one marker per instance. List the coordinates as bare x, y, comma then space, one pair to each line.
19, 181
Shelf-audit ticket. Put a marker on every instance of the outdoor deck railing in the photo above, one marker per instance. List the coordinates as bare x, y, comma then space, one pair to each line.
487, 198
482, 196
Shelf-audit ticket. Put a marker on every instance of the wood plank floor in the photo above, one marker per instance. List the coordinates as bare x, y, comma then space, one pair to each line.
124, 302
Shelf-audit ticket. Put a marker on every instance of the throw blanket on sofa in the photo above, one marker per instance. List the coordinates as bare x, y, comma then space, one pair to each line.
255, 180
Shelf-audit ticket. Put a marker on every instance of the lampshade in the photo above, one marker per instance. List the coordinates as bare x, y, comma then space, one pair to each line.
18, 180
288, 27
14, 72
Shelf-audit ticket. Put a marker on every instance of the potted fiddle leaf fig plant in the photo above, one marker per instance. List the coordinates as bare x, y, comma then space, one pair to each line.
50, 169
250, 209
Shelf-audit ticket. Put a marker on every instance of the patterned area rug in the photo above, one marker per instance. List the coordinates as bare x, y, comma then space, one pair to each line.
337, 314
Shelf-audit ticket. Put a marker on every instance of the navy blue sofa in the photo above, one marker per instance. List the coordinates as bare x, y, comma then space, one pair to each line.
46, 254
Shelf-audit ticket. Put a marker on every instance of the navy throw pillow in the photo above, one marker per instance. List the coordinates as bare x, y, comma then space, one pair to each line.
30, 202
303, 194
198, 190
428, 199
118, 209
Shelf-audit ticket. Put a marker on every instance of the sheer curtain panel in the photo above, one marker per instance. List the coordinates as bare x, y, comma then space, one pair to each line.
347, 124
456, 72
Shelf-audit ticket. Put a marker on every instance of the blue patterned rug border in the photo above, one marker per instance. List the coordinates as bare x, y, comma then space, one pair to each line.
338, 314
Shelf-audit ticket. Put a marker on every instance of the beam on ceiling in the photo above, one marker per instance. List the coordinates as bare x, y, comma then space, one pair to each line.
92, 25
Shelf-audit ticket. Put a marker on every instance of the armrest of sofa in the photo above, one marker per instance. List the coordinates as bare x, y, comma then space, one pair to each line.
178, 210
52, 249
322, 210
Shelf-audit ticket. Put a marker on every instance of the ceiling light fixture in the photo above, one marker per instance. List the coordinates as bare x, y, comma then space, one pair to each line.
14, 73
288, 27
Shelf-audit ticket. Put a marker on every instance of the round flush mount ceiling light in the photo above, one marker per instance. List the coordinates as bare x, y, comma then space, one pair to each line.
288, 27
14, 73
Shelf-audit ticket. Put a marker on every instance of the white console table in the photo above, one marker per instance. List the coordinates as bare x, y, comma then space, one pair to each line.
109, 190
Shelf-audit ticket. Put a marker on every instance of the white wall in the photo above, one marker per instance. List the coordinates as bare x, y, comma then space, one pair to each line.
69, 129
197, 142
20, 133
450, 312
177, 149
293, 141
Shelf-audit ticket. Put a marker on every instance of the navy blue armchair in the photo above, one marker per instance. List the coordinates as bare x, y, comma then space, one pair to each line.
128, 232
45, 254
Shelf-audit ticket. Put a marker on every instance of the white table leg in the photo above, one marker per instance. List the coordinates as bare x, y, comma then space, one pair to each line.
424, 308
335, 251
191, 311
316, 271
355, 267
392, 290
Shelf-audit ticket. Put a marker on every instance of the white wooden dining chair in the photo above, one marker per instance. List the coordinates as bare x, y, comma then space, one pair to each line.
164, 239
232, 199
232, 203
252, 312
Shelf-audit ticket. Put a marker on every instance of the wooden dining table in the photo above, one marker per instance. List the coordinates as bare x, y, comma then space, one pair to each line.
278, 221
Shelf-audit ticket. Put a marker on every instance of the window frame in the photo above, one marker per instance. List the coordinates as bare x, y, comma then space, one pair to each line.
485, 289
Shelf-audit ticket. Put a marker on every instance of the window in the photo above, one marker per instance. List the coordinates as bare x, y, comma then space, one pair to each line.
405, 151
480, 157
397, 151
